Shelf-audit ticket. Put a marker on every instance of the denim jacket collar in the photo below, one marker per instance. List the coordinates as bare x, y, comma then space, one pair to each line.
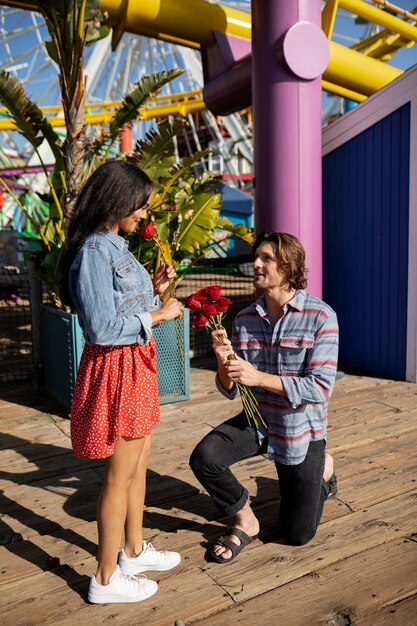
117, 240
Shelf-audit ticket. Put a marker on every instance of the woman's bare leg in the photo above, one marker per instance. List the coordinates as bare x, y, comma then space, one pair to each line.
136, 502
121, 468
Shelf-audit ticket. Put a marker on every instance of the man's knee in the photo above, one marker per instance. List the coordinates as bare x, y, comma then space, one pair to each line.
204, 459
200, 459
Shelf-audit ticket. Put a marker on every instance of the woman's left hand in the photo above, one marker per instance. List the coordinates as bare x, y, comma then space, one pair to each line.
163, 277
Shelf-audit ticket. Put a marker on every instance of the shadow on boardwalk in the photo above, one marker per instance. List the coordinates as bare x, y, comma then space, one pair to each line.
345, 575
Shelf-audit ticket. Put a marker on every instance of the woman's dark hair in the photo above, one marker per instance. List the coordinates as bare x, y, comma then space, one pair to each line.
115, 190
290, 256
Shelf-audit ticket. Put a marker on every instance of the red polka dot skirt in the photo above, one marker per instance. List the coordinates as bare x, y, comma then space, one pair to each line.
115, 396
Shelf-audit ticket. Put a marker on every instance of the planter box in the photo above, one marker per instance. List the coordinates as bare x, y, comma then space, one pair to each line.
63, 345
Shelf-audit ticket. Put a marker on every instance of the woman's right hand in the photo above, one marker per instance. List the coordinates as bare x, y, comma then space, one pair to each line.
170, 310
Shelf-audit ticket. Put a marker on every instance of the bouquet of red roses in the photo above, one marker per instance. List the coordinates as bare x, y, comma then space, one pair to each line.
209, 306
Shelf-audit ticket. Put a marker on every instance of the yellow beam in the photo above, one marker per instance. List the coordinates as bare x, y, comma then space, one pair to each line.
385, 50
185, 96
182, 108
328, 17
352, 70
382, 18
336, 90
384, 44
189, 20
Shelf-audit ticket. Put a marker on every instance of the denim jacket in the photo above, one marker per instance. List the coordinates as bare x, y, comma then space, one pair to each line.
112, 292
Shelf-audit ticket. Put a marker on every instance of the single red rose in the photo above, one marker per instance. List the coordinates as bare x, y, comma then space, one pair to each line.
209, 308
213, 292
202, 296
192, 302
147, 231
199, 320
223, 304
53, 561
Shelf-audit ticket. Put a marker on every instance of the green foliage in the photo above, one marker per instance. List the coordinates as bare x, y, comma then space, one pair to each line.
145, 89
29, 119
186, 211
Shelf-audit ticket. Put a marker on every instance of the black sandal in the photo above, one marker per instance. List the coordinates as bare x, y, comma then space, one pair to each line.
332, 482
244, 538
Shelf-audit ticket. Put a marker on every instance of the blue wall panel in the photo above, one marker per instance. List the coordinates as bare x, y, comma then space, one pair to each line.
365, 244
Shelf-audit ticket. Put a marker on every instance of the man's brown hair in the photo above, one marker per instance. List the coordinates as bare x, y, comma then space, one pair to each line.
290, 256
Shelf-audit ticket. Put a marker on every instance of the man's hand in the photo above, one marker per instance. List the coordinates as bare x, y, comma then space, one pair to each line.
221, 345
242, 372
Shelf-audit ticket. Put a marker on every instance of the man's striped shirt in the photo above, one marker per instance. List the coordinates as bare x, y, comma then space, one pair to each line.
302, 348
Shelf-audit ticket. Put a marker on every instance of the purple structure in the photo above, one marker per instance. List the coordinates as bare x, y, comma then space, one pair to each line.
289, 54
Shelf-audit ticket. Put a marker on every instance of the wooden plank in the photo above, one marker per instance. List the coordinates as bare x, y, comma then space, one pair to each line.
42, 432
348, 383
385, 453
402, 613
344, 438
339, 594
50, 505
53, 597
31, 462
261, 568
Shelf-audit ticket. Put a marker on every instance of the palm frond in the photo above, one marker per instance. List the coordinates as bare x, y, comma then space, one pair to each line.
27, 116
144, 89
180, 170
155, 154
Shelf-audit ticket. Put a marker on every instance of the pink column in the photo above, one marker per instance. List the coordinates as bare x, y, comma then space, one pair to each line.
290, 52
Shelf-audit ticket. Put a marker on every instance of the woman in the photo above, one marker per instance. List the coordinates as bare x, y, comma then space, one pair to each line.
115, 402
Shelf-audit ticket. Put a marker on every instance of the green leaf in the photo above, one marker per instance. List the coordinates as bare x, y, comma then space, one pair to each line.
145, 88
240, 230
156, 153
28, 117
198, 228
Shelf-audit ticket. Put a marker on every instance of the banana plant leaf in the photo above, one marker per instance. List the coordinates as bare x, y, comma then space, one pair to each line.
240, 230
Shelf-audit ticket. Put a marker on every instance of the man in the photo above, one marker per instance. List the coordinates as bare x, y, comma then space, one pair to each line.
285, 346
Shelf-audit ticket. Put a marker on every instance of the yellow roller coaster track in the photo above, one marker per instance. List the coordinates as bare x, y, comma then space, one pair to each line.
353, 73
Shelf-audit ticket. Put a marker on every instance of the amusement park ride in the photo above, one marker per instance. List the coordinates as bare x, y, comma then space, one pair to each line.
227, 72
161, 34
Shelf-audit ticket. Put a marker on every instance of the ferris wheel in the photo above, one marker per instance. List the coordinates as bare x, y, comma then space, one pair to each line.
109, 75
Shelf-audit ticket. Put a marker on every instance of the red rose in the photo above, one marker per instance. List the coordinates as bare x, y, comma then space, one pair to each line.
201, 295
147, 231
53, 561
209, 308
213, 292
199, 320
223, 304
192, 302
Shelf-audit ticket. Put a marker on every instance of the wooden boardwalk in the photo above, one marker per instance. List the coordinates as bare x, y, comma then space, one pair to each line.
361, 568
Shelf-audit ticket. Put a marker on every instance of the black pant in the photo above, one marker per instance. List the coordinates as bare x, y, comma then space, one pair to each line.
302, 487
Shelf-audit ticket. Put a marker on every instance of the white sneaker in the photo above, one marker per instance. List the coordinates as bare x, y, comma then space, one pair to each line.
121, 588
148, 559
